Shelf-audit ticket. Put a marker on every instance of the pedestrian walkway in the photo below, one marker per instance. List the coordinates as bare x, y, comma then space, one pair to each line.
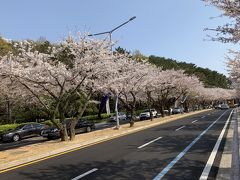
229, 164
36, 152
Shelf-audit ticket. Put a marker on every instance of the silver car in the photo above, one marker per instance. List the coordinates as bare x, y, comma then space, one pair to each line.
121, 116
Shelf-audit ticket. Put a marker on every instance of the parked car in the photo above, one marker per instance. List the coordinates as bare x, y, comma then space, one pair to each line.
177, 110
168, 111
81, 126
121, 116
224, 106
218, 106
24, 131
129, 117
146, 114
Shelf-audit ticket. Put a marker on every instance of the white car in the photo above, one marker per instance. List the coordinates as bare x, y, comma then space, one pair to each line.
146, 114
121, 116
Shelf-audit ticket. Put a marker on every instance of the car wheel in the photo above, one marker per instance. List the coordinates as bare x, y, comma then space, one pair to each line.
16, 137
88, 129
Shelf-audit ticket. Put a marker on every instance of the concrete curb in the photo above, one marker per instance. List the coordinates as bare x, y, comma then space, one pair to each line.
68, 147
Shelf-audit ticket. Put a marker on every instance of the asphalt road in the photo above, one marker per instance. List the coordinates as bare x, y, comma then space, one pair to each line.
175, 150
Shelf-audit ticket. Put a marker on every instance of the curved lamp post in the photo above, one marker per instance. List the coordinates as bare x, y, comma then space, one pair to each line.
110, 41
114, 29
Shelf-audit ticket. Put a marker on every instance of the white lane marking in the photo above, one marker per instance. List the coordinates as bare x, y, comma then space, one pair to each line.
180, 128
85, 174
212, 156
180, 155
149, 143
203, 116
194, 121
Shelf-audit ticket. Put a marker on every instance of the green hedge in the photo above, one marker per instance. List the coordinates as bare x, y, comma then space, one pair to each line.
95, 117
6, 127
139, 112
48, 122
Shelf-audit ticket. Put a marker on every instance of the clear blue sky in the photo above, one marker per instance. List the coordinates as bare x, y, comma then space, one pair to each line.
170, 28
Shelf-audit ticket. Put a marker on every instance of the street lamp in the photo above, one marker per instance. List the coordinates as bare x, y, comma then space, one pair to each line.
114, 29
110, 41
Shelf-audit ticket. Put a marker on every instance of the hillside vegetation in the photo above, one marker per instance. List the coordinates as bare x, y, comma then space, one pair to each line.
209, 77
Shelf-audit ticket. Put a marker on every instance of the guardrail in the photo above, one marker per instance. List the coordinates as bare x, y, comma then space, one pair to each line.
235, 167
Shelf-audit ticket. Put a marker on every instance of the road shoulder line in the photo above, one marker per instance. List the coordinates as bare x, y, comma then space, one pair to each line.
208, 166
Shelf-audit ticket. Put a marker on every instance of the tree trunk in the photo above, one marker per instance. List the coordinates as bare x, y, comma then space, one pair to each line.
149, 104
9, 111
76, 119
63, 133
132, 121
63, 126
72, 130
151, 115
162, 110
99, 115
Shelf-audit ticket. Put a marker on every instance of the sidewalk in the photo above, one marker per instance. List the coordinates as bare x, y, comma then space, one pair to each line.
28, 154
227, 163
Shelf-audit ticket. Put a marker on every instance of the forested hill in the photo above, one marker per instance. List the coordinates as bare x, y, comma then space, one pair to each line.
209, 77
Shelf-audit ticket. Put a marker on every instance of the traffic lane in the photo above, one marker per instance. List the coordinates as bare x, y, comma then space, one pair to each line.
145, 163
191, 165
110, 152
35, 140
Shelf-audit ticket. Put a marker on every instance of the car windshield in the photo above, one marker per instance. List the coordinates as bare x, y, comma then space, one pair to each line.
19, 127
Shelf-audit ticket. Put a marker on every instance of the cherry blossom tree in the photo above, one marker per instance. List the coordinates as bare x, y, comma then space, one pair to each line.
134, 84
229, 32
76, 67
10, 95
171, 85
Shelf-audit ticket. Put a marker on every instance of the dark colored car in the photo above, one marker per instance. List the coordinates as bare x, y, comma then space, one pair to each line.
224, 106
81, 126
24, 131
